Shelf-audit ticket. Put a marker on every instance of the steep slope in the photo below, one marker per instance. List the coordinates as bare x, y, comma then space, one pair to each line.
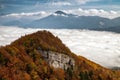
42, 56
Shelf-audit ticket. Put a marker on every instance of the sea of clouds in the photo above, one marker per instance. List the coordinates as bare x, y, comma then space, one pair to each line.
100, 47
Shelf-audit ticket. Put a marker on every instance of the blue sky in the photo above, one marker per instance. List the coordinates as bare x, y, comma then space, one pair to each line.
12, 6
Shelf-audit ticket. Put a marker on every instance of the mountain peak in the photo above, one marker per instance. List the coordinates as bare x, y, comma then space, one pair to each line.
60, 12
43, 39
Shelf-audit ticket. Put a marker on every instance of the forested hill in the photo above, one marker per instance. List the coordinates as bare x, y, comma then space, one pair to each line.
43, 56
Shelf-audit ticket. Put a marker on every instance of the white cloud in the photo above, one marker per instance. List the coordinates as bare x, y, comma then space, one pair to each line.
85, 1
61, 3
55, 14
100, 47
23, 14
70, 2
94, 12
113, 12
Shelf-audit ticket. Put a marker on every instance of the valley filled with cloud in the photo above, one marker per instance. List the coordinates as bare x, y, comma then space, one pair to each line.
99, 46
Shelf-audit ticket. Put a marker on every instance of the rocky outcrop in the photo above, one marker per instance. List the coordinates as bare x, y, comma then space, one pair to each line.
58, 60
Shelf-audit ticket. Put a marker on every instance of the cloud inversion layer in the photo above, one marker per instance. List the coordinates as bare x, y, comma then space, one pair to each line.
101, 47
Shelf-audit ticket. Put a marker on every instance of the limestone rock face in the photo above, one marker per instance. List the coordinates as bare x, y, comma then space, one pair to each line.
58, 60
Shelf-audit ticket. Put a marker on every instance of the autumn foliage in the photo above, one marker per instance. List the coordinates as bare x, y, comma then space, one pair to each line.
21, 61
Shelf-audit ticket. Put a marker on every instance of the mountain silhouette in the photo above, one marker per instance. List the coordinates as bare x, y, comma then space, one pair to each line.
62, 20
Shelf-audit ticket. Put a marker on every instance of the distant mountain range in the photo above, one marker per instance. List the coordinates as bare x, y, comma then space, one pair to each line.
61, 20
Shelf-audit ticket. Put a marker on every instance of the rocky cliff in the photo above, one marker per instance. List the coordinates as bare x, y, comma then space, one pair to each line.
57, 60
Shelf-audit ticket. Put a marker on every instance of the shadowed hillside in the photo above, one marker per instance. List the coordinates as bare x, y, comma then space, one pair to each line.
42, 56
